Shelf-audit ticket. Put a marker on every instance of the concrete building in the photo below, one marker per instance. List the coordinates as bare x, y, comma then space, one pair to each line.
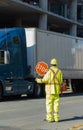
64, 16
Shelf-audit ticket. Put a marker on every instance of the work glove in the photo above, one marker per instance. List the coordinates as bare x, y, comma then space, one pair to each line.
38, 80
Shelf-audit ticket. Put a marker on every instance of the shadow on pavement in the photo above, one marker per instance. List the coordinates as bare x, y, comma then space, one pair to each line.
73, 118
71, 94
17, 98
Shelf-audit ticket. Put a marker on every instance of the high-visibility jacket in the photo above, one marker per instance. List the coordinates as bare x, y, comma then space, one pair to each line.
52, 85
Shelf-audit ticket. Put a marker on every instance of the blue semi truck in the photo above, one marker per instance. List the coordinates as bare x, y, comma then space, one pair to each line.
22, 48
15, 73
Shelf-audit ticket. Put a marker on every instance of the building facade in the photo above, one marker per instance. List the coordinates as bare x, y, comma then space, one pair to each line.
64, 16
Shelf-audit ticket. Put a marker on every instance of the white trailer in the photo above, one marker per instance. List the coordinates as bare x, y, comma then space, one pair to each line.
68, 50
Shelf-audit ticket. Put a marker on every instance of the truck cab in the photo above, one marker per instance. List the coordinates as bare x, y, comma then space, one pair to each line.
13, 63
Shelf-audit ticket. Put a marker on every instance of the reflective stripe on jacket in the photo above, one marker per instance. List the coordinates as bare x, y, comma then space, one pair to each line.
51, 85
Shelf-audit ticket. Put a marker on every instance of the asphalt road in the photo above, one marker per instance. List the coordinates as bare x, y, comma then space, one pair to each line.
29, 114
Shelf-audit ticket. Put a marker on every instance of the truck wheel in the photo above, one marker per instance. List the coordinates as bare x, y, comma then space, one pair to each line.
1, 92
38, 90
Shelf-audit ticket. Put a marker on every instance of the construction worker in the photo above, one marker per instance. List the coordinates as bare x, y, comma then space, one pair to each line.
53, 80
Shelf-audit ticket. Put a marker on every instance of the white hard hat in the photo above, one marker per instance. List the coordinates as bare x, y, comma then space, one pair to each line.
53, 61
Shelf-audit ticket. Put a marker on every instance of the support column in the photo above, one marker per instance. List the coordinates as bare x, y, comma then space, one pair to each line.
73, 30
73, 10
73, 16
44, 4
43, 17
43, 21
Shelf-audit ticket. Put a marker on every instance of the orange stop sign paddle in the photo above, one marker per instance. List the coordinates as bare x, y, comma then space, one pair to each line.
41, 68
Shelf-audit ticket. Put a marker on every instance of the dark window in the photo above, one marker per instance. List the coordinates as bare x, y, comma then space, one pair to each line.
4, 57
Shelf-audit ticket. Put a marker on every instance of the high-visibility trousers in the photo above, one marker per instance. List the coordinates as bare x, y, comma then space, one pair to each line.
52, 107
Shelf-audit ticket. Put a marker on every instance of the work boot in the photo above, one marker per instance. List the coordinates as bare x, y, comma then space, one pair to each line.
49, 120
56, 117
50, 117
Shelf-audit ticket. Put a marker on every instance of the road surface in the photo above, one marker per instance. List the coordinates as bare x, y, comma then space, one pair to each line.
29, 114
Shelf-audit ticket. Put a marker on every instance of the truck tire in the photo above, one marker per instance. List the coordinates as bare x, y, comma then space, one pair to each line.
1, 92
38, 90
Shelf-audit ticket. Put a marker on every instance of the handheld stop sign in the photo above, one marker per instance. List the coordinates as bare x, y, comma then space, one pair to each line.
41, 68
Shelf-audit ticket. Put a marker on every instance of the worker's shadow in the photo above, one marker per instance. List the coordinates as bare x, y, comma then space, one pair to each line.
73, 118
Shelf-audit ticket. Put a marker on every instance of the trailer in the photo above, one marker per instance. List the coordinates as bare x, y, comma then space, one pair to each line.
22, 48
68, 50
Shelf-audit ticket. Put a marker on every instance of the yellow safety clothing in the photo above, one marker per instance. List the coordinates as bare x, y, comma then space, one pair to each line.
51, 85
52, 107
52, 89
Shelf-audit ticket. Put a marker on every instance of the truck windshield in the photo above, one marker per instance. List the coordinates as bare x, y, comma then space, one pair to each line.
4, 57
